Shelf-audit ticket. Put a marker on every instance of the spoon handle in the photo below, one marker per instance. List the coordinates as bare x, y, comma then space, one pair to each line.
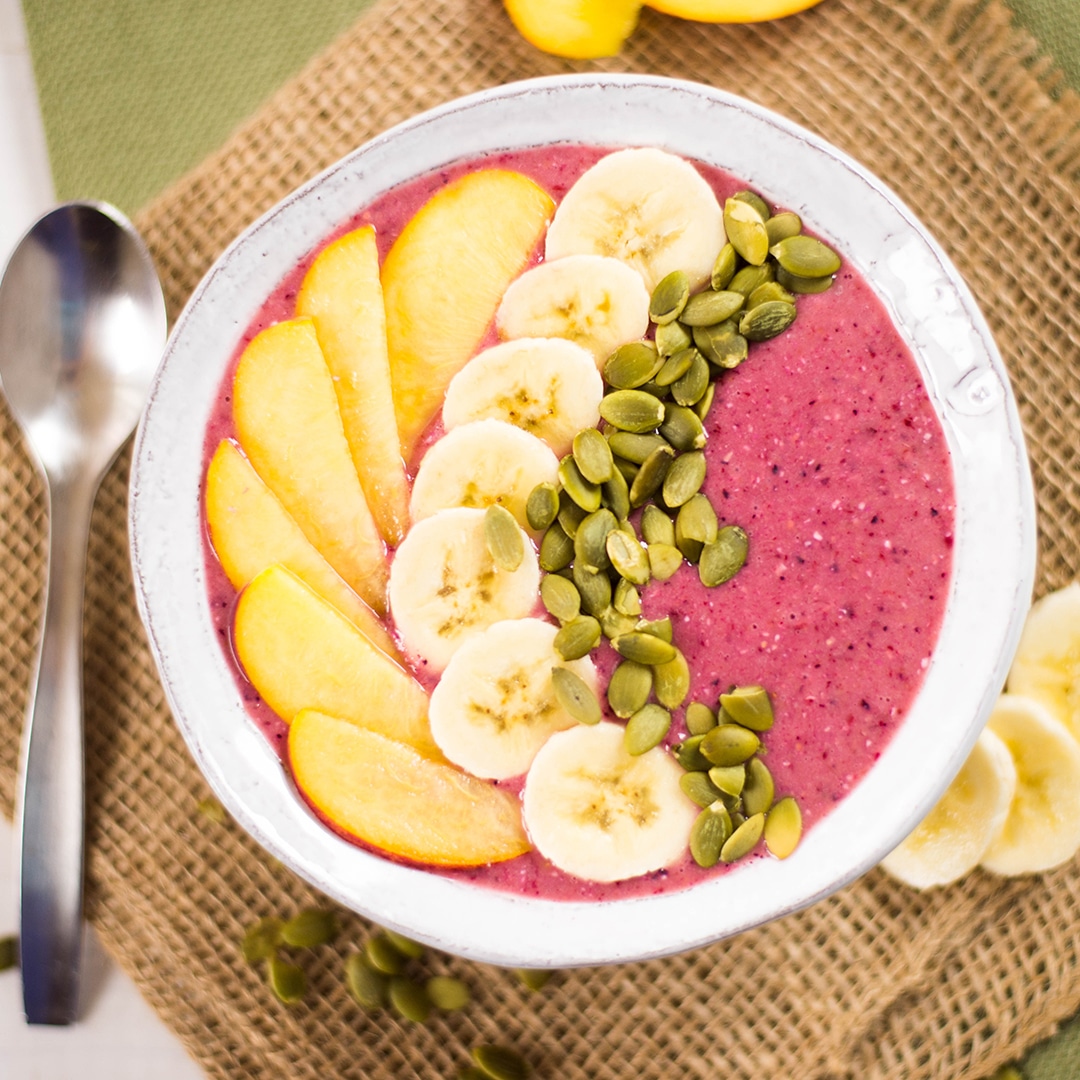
52, 801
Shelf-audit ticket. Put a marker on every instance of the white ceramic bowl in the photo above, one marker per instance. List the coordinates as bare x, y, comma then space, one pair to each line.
935, 313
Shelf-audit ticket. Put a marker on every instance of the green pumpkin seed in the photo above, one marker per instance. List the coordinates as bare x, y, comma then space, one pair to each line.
730, 779
286, 980
691, 549
699, 718
724, 268
721, 345
383, 955
211, 809
9, 952
556, 549
657, 391
805, 257
590, 543
669, 297
631, 410
744, 839
502, 535
634, 448
771, 290
627, 600
614, 623
671, 338
534, 978
575, 696
542, 506
697, 519
660, 628
729, 744
472, 1072
751, 198
261, 940
664, 560
560, 597
570, 516
682, 428
577, 637
309, 928
704, 403
447, 993
592, 455
711, 307
627, 470
750, 277
629, 688
675, 367
595, 590
684, 480
499, 1063
409, 1000
803, 285
404, 945
781, 226
631, 365
767, 320
783, 827
646, 729
688, 754
656, 526
630, 559
582, 491
698, 788
710, 832
368, 987
746, 233
615, 494
691, 387
759, 791
671, 681
644, 648
651, 475
749, 706
724, 558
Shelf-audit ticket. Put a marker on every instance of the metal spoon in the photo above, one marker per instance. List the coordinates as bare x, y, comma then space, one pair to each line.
82, 327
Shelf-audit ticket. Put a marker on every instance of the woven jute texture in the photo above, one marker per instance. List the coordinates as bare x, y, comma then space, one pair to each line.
951, 107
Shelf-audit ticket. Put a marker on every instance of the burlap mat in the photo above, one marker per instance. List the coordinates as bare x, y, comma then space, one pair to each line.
953, 109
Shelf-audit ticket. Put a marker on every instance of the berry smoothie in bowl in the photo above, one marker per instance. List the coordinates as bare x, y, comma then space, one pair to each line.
592, 523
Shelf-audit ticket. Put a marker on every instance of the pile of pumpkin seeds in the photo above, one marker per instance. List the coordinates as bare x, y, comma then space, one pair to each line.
729, 781
266, 939
648, 455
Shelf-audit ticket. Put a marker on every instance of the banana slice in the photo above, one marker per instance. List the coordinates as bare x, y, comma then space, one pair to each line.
1047, 663
548, 387
598, 303
1042, 829
495, 705
478, 464
651, 209
445, 587
952, 839
600, 814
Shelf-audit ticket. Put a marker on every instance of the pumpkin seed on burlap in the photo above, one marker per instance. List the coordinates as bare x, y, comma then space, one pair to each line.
534, 979
447, 993
405, 945
261, 940
369, 988
287, 981
309, 928
384, 956
500, 1063
409, 1000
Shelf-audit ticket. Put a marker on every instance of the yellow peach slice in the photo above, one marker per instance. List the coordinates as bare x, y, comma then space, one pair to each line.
289, 427
730, 11
443, 279
250, 530
578, 29
301, 653
386, 794
343, 294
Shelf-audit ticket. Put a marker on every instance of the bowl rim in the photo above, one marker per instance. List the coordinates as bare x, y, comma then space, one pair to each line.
974, 404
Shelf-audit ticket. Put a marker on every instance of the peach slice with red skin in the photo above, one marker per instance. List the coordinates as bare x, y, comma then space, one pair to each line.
250, 531
301, 653
289, 426
443, 278
343, 294
388, 795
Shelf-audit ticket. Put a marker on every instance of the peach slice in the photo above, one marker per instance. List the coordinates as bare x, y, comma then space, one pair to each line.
301, 653
386, 794
250, 531
343, 294
443, 279
287, 419
578, 29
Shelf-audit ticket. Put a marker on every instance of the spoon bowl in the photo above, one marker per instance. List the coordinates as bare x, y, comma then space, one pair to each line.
82, 327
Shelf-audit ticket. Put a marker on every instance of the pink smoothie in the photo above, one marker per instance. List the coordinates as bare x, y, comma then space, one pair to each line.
825, 448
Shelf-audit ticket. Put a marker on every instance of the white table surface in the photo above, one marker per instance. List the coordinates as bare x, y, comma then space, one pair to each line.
118, 1036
